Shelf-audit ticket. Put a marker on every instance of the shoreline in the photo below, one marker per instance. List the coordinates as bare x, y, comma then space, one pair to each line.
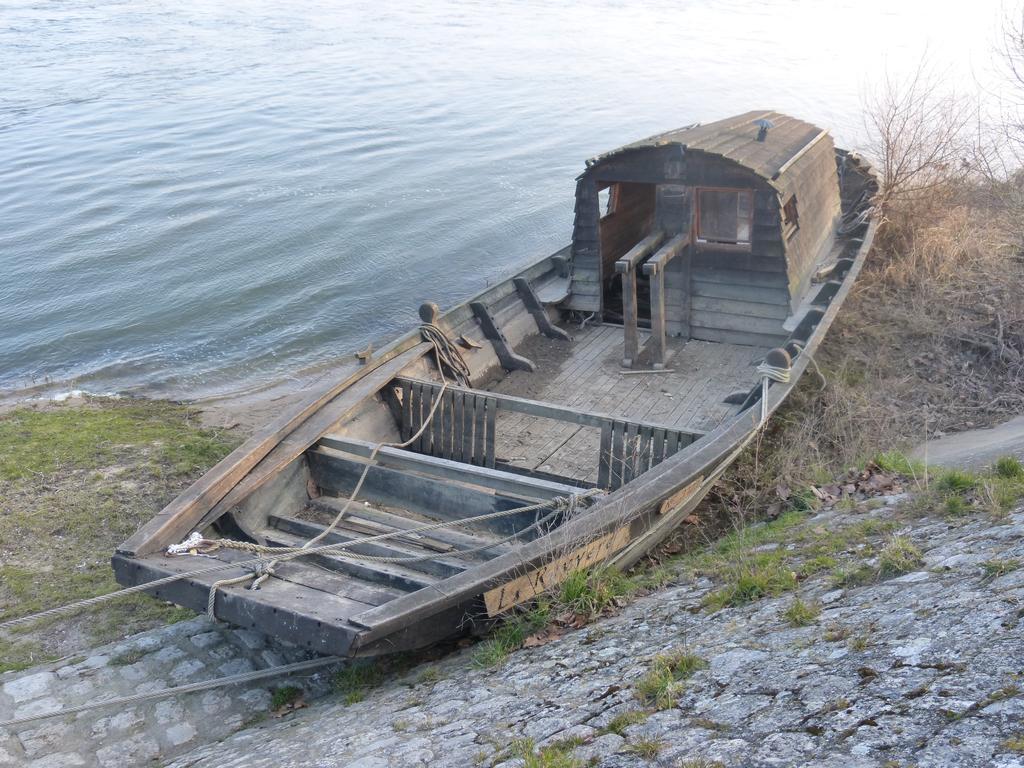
245, 408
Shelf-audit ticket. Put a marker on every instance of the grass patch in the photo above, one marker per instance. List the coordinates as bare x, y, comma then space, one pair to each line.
76, 480
662, 684
898, 557
646, 748
554, 756
759, 576
510, 634
801, 613
859, 643
956, 506
129, 657
622, 721
854, 576
817, 564
284, 696
1009, 468
836, 632
898, 463
581, 597
16, 655
956, 481
35, 442
1015, 743
710, 725
993, 569
356, 679
590, 593
428, 676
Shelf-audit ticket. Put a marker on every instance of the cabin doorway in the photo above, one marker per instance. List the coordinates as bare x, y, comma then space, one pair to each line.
626, 217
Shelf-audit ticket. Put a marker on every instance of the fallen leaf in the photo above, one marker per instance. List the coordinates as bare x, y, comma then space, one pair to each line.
291, 706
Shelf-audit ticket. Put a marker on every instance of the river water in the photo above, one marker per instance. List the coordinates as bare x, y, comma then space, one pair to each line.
202, 197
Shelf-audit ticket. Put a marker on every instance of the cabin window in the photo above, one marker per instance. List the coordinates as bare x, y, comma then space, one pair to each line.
607, 198
790, 217
725, 216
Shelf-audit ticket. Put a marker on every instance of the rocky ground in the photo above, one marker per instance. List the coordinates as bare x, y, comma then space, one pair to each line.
882, 635
186, 652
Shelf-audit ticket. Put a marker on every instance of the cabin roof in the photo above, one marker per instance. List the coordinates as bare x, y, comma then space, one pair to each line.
735, 138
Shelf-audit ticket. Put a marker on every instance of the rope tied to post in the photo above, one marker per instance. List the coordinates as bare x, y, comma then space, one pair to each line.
778, 366
447, 354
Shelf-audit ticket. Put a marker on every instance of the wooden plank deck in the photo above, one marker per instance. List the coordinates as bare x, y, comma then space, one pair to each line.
587, 374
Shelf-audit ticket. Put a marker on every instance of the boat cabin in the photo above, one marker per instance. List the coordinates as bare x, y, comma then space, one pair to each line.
709, 232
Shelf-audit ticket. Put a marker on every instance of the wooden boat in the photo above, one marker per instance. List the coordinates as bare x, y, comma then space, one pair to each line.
568, 416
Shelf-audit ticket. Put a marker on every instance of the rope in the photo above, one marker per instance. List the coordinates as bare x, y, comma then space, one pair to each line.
324, 549
448, 355
775, 373
244, 677
558, 508
800, 348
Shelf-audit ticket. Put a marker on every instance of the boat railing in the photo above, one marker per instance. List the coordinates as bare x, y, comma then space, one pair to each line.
464, 429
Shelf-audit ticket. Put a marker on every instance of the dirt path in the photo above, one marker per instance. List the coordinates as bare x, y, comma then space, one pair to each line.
976, 448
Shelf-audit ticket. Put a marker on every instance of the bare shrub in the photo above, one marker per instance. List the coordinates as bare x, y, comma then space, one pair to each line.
998, 157
918, 137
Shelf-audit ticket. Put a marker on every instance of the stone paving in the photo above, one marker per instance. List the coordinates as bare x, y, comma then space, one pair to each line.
190, 651
923, 670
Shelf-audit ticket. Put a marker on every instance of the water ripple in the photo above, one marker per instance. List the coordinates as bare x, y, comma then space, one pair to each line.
197, 196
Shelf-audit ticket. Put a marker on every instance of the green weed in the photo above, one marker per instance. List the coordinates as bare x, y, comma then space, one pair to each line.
16, 655
759, 576
1015, 743
860, 643
284, 696
898, 557
554, 756
510, 634
428, 676
993, 569
1010, 468
622, 721
591, 592
127, 658
40, 442
800, 613
662, 683
646, 748
898, 463
956, 506
956, 481
354, 680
